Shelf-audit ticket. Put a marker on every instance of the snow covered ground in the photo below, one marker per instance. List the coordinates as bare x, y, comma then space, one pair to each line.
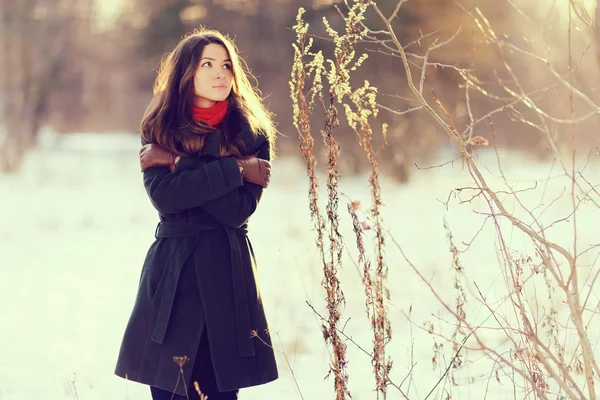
76, 224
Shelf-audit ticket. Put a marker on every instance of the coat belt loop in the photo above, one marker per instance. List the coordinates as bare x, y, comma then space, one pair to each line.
156, 230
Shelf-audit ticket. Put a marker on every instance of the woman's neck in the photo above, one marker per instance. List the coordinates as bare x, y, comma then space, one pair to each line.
203, 103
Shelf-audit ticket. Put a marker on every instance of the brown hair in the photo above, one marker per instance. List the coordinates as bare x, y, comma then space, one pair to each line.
168, 119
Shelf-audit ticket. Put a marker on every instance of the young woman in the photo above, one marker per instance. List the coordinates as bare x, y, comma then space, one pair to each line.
198, 316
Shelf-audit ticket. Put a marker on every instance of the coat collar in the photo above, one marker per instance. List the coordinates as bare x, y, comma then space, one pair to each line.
212, 144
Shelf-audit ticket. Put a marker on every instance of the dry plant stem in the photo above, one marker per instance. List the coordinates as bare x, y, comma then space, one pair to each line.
289, 367
543, 252
73, 388
335, 297
395, 13
505, 327
374, 300
523, 372
409, 78
302, 110
339, 330
572, 294
526, 98
256, 336
365, 106
591, 286
514, 280
366, 278
202, 395
450, 364
363, 262
398, 387
382, 328
592, 187
553, 71
530, 333
573, 299
472, 330
180, 361
588, 357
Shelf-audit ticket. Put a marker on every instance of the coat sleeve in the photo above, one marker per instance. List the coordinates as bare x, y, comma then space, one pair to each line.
178, 191
234, 208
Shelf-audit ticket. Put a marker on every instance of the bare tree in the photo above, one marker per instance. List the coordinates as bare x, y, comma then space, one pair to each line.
34, 35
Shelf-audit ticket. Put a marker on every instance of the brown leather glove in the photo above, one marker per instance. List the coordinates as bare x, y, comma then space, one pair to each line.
255, 170
152, 155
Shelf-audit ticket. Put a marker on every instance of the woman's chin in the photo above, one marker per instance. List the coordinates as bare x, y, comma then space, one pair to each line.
218, 99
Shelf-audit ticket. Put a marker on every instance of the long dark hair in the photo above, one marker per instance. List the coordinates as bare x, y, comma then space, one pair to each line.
168, 119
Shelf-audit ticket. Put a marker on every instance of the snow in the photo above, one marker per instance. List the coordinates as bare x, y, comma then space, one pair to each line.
77, 224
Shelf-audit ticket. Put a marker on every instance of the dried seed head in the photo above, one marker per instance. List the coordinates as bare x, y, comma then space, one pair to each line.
478, 141
181, 360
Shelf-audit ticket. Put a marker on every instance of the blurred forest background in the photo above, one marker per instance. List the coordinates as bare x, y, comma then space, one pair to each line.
88, 66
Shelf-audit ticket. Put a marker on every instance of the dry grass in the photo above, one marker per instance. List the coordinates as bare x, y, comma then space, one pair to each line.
331, 259
543, 365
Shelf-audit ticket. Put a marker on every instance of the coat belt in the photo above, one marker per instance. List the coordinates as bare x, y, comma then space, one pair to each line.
190, 233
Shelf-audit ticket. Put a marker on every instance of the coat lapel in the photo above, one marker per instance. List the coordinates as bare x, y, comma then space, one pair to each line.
212, 144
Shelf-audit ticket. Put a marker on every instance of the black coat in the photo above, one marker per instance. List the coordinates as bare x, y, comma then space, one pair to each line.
200, 272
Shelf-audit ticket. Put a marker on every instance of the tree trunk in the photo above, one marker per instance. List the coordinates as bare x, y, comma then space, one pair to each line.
34, 35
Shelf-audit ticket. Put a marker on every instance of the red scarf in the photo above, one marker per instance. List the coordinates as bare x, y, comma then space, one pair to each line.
211, 115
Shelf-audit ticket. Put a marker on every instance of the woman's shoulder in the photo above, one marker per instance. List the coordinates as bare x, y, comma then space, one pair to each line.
253, 141
249, 139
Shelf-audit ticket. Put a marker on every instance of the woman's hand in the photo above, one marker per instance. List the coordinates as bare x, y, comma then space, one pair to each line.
255, 170
152, 155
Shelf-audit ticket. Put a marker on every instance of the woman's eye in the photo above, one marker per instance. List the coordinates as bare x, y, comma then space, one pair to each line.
227, 66
207, 63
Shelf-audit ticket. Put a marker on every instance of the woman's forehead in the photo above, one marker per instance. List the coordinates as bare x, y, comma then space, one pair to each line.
215, 51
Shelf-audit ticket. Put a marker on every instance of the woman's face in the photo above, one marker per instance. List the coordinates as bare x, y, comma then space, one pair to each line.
213, 79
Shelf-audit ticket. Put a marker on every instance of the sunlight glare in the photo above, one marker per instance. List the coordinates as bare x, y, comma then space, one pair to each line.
582, 9
107, 11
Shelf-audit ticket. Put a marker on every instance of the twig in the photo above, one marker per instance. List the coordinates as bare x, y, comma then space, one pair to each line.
340, 331
456, 354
